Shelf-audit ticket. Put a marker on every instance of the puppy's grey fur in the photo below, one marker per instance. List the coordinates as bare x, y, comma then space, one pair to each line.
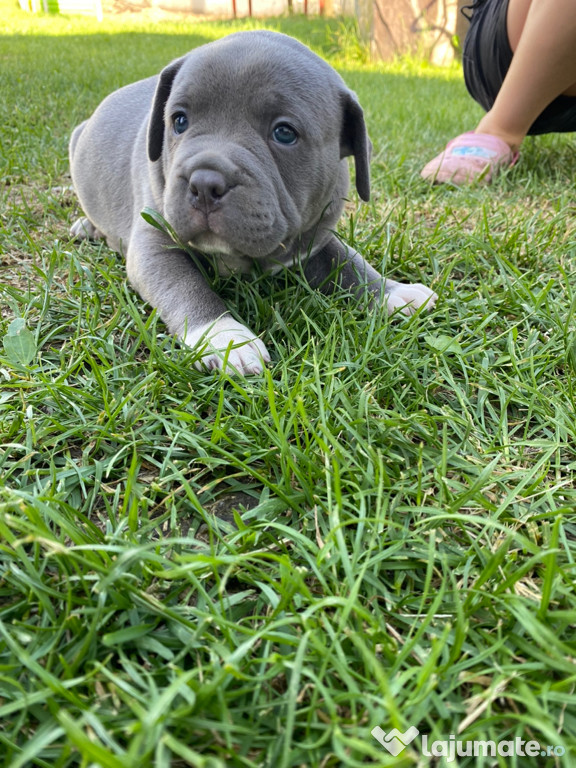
240, 145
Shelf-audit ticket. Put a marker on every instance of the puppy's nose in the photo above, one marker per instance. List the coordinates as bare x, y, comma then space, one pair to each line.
208, 187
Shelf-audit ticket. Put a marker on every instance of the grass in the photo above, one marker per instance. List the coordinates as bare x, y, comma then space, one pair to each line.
197, 570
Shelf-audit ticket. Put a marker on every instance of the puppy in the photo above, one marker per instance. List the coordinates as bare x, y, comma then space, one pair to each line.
241, 147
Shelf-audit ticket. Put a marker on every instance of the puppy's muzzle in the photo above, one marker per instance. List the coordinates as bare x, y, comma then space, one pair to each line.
208, 188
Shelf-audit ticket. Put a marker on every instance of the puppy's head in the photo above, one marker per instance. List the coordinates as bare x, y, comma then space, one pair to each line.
250, 134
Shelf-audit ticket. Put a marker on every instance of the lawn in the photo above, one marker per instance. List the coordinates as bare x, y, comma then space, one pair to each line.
200, 570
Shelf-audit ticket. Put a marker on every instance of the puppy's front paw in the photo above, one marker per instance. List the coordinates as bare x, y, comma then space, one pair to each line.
226, 341
408, 297
83, 229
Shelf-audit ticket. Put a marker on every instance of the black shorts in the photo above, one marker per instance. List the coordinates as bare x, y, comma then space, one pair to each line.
486, 57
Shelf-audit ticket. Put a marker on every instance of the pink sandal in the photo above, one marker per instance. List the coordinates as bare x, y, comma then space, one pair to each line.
470, 157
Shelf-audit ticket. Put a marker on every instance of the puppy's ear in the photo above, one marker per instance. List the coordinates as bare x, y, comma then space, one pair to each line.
156, 124
354, 141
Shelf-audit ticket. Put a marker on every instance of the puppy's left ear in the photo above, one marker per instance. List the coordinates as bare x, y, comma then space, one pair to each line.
156, 124
354, 141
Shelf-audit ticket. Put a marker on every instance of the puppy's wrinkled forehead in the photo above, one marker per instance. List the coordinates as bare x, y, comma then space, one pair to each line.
256, 72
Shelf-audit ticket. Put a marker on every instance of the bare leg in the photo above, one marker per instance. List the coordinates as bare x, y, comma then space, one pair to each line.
542, 35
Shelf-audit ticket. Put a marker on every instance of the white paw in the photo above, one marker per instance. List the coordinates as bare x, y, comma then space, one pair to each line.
57, 191
83, 229
408, 297
227, 341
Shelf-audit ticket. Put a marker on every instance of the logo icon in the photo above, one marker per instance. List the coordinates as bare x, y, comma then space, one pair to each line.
394, 741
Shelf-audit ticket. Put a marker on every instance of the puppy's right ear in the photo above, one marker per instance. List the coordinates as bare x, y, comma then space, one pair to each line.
156, 124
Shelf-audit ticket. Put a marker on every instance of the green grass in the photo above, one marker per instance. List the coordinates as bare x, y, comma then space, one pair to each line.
197, 570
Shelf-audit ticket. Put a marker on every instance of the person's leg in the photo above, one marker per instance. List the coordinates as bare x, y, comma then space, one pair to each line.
520, 65
542, 35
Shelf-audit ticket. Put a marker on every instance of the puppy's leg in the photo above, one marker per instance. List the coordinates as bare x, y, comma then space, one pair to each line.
337, 266
168, 279
82, 229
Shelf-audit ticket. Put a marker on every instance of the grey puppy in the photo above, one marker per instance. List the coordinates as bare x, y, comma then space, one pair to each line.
240, 145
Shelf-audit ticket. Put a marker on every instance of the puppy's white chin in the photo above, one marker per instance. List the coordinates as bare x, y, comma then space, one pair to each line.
211, 244
225, 259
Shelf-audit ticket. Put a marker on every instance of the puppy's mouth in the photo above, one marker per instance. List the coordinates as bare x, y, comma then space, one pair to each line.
226, 260
210, 243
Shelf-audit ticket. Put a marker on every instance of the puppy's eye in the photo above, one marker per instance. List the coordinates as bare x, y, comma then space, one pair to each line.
180, 122
283, 133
